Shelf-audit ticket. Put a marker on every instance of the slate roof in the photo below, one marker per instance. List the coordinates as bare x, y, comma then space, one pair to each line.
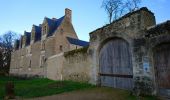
158, 29
53, 24
37, 33
77, 42
28, 38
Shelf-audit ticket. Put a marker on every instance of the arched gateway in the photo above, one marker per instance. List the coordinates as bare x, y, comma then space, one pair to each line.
161, 58
116, 65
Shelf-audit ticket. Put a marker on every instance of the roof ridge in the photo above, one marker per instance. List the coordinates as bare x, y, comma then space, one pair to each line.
75, 41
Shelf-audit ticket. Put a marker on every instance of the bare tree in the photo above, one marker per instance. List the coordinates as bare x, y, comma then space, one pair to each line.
117, 8
112, 7
6, 47
132, 5
1, 54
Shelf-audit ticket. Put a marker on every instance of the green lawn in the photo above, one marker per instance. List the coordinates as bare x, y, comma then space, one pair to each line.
38, 87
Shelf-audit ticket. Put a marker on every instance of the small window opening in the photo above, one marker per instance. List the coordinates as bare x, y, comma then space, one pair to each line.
30, 64
61, 48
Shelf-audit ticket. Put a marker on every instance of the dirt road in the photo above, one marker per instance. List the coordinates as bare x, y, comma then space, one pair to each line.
90, 94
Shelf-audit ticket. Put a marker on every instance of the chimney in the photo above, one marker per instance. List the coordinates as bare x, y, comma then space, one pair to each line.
68, 14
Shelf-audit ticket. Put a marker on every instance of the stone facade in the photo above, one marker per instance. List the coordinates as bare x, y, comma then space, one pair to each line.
140, 31
64, 59
49, 38
71, 65
130, 27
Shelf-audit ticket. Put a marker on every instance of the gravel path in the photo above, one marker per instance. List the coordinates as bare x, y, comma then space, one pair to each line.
90, 94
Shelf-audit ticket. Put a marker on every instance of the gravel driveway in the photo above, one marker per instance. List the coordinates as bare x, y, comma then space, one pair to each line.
90, 94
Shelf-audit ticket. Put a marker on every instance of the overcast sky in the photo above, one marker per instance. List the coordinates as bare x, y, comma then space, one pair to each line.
20, 15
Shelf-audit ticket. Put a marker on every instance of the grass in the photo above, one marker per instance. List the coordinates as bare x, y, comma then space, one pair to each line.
38, 87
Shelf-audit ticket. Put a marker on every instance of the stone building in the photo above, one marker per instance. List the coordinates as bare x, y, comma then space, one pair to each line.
51, 37
132, 46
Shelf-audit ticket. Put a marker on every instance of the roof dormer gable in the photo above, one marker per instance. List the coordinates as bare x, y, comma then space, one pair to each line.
36, 33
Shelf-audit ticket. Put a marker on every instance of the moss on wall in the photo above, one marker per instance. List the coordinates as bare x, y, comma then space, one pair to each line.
73, 52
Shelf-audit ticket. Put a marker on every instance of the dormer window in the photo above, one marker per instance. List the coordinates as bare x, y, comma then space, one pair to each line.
44, 30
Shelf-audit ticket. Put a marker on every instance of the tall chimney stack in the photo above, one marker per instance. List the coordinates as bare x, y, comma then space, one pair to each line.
68, 14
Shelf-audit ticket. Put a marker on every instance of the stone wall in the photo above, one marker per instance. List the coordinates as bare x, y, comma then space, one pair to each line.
36, 52
26, 61
129, 27
76, 65
49, 46
14, 68
54, 67
156, 37
72, 65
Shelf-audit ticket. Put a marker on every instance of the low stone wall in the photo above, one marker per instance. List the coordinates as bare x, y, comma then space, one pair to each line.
76, 65
73, 65
54, 67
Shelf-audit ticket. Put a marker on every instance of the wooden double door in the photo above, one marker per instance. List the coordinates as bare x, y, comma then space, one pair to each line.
115, 64
161, 56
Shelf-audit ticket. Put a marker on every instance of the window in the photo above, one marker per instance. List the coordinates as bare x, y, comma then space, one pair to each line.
30, 64
62, 31
44, 30
61, 48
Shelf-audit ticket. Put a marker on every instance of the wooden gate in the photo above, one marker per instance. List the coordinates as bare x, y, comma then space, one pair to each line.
116, 65
162, 68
